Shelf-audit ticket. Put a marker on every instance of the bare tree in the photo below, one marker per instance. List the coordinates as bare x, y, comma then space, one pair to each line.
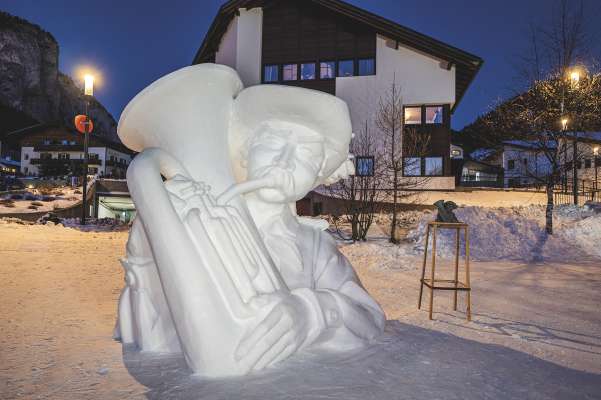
362, 192
563, 97
402, 149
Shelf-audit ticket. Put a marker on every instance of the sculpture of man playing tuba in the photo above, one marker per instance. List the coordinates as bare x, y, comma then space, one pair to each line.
219, 266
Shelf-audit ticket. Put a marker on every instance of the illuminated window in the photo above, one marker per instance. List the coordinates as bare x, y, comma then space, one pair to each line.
271, 73
367, 66
290, 72
308, 72
413, 115
434, 115
327, 70
346, 68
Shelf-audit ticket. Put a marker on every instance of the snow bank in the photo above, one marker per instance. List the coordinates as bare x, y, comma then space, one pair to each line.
518, 234
514, 233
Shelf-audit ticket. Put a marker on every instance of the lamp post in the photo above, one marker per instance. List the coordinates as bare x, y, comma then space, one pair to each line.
574, 82
596, 159
88, 93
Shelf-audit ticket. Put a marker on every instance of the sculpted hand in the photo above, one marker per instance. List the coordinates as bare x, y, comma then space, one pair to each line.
277, 336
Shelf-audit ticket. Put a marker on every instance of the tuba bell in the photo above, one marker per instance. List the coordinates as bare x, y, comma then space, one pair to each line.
215, 272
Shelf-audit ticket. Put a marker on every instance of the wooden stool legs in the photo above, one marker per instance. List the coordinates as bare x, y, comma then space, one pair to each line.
456, 285
421, 287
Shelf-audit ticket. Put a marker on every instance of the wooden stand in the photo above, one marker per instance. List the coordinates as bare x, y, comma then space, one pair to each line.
442, 284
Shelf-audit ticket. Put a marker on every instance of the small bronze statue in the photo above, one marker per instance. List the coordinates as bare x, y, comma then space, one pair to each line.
445, 211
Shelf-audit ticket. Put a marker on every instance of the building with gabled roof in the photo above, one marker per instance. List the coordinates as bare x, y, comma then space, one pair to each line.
335, 47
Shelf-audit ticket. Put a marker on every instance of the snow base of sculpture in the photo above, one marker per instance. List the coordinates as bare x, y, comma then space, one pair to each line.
407, 362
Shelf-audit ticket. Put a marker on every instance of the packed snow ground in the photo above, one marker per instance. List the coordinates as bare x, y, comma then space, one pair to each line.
536, 329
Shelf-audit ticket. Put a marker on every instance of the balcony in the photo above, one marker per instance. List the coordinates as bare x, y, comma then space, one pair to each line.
115, 163
58, 147
57, 161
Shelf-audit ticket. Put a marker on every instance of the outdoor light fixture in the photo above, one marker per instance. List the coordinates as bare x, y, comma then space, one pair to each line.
564, 124
88, 85
575, 78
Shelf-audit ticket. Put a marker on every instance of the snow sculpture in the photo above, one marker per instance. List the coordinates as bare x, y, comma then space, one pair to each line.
218, 265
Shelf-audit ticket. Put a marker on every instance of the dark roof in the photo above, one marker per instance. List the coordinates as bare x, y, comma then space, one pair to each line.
467, 65
21, 133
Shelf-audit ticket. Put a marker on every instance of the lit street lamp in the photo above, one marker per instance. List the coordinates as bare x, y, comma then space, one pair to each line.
596, 159
88, 93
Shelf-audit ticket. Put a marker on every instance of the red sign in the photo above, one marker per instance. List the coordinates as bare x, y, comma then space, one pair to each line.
82, 122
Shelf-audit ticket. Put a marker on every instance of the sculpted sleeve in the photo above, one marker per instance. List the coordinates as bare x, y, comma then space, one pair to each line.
350, 315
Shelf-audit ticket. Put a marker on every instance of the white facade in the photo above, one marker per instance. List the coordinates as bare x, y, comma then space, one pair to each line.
589, 156
103, 153
422, 80
524, 166
241, 45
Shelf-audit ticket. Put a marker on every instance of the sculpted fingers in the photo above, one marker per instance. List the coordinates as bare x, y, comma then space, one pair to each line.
262, 352
248, 343
288, 339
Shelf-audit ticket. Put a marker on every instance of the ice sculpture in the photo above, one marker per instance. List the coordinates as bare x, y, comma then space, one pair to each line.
218, 264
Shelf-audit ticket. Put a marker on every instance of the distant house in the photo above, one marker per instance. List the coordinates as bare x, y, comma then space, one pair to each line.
588, 161
524, 162
334, 47
47, 149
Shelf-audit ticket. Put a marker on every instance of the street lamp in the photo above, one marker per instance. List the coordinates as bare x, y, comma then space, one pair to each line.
564, 124
597, 159
575, 78
88, 92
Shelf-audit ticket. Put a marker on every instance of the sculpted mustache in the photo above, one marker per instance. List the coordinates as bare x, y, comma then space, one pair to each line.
274, 170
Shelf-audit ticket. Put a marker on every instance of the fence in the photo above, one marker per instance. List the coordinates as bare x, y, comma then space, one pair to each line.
586, 191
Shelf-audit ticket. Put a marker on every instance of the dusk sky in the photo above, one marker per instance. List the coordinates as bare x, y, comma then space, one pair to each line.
134, 42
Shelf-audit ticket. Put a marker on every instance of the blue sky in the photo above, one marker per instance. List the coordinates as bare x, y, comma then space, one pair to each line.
134, 42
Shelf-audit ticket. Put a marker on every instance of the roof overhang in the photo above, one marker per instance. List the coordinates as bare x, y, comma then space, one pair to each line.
467, 65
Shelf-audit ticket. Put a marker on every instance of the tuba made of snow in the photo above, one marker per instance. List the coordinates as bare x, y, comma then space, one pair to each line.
213, 267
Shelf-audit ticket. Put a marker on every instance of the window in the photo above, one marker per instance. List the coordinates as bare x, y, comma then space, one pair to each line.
367, 66
308, 72
434, 115
290, 72
45, 156
271, 73
364, 166
597, 162
72, 142
510, 164
47, 141
26, 156
433, 166
413, 115
525, 162
346, 68
412, 166
579, 164
327, 70
63, 156
587, 163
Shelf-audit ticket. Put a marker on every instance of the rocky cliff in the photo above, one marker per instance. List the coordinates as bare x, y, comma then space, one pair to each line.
31, 83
